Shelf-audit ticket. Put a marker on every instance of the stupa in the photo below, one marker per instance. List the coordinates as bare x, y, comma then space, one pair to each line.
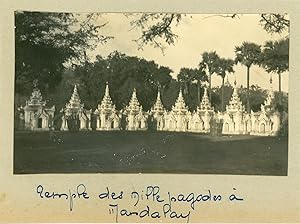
177, 118
75, 115
158, 111
108, 118
234, 116
266, 121
235, 103
136, 118
200, 121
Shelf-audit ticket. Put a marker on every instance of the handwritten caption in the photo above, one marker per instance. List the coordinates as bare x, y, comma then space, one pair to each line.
144, 203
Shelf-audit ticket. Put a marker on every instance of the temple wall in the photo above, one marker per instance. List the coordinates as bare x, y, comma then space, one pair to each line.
233, 121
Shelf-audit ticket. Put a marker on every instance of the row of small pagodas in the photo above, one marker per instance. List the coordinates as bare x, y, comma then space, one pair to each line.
108, 118
235, 120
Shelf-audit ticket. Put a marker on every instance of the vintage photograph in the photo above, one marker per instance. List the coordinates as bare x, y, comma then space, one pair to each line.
151, 93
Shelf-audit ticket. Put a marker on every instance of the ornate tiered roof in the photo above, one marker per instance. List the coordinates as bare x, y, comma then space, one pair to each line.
134, 105
235, 103
180, 106
36, 98
205, 104
74, 102
106, 103
158, 107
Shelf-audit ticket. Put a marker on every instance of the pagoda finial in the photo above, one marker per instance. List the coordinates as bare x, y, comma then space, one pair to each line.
106, 89
35, 83
270, 96
75, 89
235, 89
205, 92
180, 93
158, 95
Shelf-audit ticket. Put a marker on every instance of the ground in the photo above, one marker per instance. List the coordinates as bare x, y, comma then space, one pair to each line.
148, 152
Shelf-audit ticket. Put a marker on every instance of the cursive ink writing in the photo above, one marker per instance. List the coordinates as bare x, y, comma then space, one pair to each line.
79, 193
150, 202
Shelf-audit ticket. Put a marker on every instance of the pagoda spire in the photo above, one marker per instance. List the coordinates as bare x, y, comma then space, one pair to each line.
134, 100
180, 105
205, 103
75, 95
158, 107
267, 103
106, 103
235, 103
75, 101
134, 104
270, 92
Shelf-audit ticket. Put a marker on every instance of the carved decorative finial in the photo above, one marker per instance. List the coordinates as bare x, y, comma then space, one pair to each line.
35, 83
106, 89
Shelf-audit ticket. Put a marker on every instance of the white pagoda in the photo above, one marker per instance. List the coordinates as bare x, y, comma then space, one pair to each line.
108, 118
36, 115
74, 110
136, 118
267, 121
177, 118
158, 111
235, 115
200, 121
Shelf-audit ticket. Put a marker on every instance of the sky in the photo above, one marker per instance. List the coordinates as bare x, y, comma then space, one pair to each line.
196, 33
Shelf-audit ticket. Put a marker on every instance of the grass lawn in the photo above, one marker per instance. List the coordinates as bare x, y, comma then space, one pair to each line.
148, 152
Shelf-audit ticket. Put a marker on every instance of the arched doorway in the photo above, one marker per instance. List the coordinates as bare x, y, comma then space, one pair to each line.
262, 128
226, 127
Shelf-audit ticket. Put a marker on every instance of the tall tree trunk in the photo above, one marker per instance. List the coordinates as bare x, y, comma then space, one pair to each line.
186, 89
199, 93
222, 100
280, 97
209, 88
248, 91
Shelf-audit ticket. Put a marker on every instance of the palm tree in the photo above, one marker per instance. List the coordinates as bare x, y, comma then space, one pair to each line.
275, 58
248, 54
209, 63
187, 76
225, 66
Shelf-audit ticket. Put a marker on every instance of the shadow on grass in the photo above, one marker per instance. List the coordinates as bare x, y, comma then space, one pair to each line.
148, 152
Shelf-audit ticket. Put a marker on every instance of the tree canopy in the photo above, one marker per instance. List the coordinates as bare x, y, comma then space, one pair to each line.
46, 42
123, 73
157, 29
275, 56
